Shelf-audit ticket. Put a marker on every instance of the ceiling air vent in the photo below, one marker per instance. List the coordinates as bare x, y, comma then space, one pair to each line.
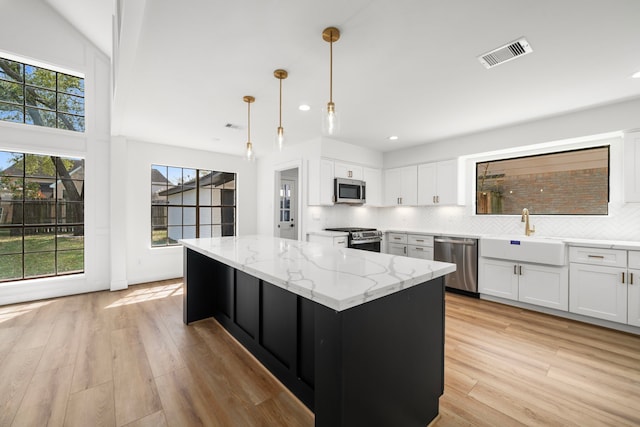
505, 53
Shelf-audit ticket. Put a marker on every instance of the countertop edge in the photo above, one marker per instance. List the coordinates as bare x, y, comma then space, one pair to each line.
435, 270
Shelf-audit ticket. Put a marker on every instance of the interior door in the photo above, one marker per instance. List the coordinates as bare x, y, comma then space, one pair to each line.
287, 209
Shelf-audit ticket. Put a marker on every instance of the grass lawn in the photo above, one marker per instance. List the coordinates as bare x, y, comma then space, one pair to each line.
40, 255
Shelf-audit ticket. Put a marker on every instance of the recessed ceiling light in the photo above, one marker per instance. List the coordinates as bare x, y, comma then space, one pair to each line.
393, 138
304, 107
636, 75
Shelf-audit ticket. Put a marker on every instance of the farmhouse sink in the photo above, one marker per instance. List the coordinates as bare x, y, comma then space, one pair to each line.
534, 249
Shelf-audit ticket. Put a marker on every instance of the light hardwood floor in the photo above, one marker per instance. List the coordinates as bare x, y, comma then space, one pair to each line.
126, 358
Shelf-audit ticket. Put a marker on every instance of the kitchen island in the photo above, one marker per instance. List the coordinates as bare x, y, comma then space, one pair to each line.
358, 336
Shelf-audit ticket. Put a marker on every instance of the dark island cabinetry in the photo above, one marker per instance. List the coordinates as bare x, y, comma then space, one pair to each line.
380, 363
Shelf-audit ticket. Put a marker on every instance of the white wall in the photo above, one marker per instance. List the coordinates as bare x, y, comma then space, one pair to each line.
622, 222
26, 27
614, 117
144, 263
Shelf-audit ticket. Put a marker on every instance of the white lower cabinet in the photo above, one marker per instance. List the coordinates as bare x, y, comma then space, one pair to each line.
396, 248
497, 278
420, 246
598, 291
604, 284
422, 252
633, 298
411, 245
542, 285
339, 241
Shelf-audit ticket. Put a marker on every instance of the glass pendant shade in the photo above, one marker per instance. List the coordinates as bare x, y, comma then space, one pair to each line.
280, 138
330, 120
249, 155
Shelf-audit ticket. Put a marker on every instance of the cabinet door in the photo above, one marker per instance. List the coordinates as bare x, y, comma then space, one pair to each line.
346, 170
632, 167
326, 182
598, 291
421, 252
409, 195
401, 186
498, 278
427, 190
544, 285
392, 184
320, 182
447, 182
396, 249
373, 179
633, 307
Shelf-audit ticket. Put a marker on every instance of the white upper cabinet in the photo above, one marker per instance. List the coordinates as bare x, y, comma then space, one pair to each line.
632, 167
320, 182
401, 186
438, 183
346, 170
373, 178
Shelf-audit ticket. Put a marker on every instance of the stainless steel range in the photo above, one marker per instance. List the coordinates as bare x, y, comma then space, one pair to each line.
367, 239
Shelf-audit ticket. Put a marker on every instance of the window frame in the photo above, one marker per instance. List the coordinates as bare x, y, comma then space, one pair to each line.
197, 206
53, 230
59, 111
478, 162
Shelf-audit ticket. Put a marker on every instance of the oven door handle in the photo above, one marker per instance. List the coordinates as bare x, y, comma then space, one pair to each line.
362, 242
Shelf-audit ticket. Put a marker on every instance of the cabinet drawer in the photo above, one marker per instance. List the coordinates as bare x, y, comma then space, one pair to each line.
397, 238
422, 252
397, 249
340, 241
420, 240
634, 259
596, 256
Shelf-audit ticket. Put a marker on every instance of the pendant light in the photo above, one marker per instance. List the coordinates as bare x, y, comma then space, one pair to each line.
249, 154
280, 75
330, 124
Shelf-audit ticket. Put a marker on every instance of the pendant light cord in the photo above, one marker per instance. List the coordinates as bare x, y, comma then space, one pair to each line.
280, 123
331, 69
248, 122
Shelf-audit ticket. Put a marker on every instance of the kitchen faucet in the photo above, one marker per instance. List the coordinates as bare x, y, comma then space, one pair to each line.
525, 218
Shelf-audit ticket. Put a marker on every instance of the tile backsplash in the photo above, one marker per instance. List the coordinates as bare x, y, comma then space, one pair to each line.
622, 223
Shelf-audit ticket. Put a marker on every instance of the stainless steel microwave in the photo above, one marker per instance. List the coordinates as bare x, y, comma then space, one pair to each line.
349, 191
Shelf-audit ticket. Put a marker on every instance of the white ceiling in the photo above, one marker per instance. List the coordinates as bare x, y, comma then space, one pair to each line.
402, 67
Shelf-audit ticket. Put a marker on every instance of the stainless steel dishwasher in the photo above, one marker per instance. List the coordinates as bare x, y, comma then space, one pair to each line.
463, 252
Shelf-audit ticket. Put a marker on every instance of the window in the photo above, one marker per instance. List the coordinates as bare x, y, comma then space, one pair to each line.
41, 97
41, 216
563, 183
189, 203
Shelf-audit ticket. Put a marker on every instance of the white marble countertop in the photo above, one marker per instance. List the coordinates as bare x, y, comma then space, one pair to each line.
339, 278
573, 241
432, 233
607, 244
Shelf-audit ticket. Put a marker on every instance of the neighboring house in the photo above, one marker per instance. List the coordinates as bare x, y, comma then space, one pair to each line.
42, 191
216, 191
159, 184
